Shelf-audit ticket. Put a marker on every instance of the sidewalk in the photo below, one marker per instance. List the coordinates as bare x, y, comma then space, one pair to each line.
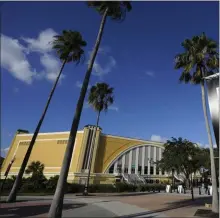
125, 206
75, 207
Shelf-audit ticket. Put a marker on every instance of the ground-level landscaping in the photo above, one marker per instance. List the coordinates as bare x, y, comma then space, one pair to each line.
43, 186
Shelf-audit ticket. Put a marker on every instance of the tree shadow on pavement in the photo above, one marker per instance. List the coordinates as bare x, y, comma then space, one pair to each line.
174, 205
33, 210
201, 201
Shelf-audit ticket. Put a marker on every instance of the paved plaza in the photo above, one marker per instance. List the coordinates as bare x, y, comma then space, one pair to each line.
100, 205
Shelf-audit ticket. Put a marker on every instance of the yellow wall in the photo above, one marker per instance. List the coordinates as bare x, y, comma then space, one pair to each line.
50, 153
45, 150
112, 146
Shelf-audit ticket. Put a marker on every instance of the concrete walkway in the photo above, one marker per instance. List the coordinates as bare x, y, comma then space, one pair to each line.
125, 206
38, 206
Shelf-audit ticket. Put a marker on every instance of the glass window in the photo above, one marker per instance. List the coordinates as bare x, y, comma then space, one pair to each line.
151, 170
132, 169
111, 169
157, 170
126, 169
119, 168
145, 169
139, 169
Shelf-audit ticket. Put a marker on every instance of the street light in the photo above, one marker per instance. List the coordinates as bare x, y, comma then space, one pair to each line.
172, 179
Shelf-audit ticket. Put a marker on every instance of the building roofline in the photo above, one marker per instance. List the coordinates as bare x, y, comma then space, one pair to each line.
50, 133
135, 139
81, 131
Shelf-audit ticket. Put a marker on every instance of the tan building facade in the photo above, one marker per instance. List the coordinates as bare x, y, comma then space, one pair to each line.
112, 155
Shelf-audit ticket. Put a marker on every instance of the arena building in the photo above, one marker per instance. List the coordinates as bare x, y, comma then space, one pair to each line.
114, 157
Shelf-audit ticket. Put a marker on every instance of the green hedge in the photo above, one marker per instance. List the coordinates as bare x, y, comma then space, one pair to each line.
44, 185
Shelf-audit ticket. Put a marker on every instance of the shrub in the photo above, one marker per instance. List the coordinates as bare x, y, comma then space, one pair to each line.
7, 184
28, 187
151, 187
101, 188
51, 183
123, 187
41, 184
75, 188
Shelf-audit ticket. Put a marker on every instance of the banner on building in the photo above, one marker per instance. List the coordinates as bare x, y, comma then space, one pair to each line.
213, 99
9, 166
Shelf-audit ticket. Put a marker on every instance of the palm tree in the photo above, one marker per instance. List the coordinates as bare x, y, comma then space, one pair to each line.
69, 48
36, 168
100, 98
200, 59
115, 10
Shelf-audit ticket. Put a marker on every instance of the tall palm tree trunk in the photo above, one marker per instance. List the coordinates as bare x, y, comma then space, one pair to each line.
215, 205
57, 203
91, 156
18, 180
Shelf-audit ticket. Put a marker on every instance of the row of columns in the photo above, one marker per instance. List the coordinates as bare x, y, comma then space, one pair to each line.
154, 159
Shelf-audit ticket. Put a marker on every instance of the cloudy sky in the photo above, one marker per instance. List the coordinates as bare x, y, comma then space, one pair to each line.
136, 58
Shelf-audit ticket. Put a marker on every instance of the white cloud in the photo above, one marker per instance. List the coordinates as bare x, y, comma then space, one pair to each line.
14, 60
114, 108
79, 85
16, 90
158, 138
150, 73
4, 151
42, 43
99, 70
86, 105
104, 49
202, 145
52, 66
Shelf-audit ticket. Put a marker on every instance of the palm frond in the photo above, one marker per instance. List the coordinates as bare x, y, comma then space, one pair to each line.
200, 57
116, 9
69, 46
101, 96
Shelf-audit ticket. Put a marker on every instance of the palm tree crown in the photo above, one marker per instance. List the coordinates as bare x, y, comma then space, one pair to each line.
116, 9
69, 46
199, 59
36, 168
101, 96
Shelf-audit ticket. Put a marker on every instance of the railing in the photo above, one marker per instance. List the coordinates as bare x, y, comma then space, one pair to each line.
133, 179
142, 178
180, 177
125, 177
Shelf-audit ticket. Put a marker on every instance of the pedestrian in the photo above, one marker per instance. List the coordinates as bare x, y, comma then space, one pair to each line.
206, 188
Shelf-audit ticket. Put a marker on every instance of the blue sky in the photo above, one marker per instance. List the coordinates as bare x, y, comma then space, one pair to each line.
136, 58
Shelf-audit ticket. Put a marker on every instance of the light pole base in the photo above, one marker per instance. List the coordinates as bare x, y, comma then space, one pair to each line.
85, 193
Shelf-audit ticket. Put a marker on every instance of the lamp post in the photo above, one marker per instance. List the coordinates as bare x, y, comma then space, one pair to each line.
172, 179
212, 82
191, 184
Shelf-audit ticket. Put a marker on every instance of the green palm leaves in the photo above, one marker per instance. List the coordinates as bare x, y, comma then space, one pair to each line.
36, 168
200, 58
69, 46
116, 9
101, 97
